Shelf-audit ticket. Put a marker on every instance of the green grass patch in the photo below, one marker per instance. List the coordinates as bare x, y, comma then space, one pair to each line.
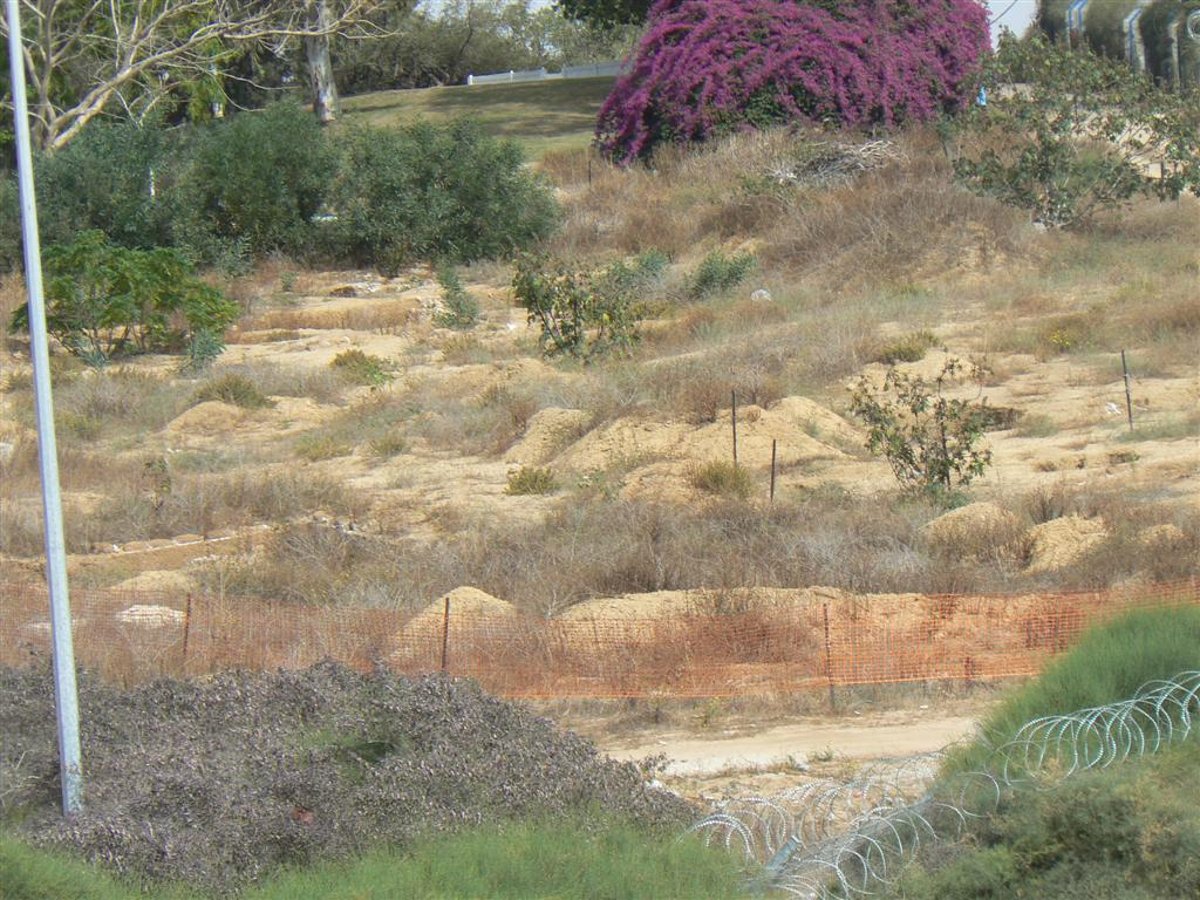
556, 859
1110, 663
516, 860
1128, 831
541, 116
907, 348
531, 480
235, 389
723, 479
30, 874
363, 368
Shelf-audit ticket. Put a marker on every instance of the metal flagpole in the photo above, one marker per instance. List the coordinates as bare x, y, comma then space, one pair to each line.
65, 695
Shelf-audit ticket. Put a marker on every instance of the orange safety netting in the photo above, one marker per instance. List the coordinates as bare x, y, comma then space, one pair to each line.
754, 651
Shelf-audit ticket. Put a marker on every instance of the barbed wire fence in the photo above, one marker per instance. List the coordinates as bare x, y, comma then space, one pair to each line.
835, 840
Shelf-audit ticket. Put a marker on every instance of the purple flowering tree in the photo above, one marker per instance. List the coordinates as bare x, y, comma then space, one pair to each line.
705, 67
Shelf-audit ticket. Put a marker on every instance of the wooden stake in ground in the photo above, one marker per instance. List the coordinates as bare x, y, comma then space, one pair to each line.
1128, 393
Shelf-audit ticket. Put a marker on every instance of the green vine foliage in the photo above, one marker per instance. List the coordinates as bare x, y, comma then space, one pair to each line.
587, 313
930, 440
104, 301
1066, 134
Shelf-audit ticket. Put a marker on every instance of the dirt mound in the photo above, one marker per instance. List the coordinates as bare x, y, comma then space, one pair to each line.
465, 603
1061, 542
474, 617
155, 581
803, 432
976, 530
548, 431
212, 417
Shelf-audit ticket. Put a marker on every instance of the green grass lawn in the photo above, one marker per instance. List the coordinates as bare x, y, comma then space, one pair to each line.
540, 115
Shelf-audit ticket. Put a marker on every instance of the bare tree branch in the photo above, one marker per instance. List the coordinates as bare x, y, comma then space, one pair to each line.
81, 54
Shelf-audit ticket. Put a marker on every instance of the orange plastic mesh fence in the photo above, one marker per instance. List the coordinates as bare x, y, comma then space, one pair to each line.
840, 641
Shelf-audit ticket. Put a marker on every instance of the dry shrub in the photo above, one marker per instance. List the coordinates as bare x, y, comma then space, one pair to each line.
322, 384
451, 417
111, 401
893, 224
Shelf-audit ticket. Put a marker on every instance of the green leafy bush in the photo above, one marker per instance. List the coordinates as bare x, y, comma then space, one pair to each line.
103, 300
433, 192
580, 313
930, 441
363, 368
120, 178
460, 309
257, 179
1083, 134
10, 225
718, 273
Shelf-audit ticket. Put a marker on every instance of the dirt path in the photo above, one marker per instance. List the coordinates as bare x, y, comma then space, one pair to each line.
796, 744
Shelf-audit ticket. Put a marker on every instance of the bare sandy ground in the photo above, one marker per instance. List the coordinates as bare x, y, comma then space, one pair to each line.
798, 743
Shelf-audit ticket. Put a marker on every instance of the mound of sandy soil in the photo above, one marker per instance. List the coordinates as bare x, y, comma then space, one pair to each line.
1061, 542
157, 581
546, 433
792, 424
212, 417
469, 606
975, 530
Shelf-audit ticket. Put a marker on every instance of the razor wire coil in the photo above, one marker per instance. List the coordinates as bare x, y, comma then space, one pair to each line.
833, 839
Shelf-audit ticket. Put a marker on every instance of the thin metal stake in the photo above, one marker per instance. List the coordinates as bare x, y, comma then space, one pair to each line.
1128, 393
445, 633
65, 693
187, 629
733, 407
772, 469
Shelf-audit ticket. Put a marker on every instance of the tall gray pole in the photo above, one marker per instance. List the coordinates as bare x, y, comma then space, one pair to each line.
65, 695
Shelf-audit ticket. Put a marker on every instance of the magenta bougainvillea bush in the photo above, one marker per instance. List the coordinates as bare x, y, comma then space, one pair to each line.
709, 66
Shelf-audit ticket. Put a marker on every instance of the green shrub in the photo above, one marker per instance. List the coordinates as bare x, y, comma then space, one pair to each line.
580, 313
531, 480
116, 177
433, 192
363, 368
257, 180
235, 389
459, 308
10, 225
718, 273
930, 441
1075, 141
103, 300
723, 479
